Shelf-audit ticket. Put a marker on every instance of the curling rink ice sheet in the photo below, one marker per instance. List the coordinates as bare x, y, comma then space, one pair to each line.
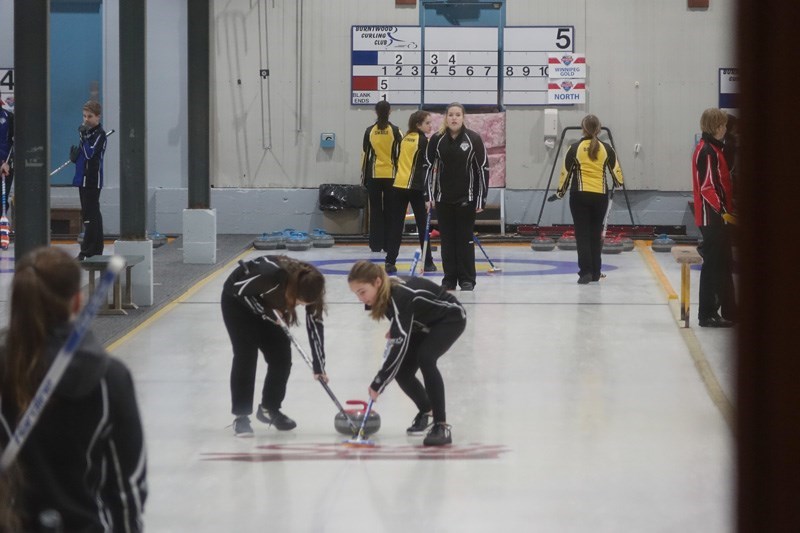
573, 409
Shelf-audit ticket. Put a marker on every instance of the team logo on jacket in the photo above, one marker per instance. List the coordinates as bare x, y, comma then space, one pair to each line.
566, 85
465, 146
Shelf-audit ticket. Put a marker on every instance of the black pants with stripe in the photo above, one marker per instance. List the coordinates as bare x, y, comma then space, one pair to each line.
456, 226
588, 213
424, 351
380, 212
250, 333
92, 221
403, 197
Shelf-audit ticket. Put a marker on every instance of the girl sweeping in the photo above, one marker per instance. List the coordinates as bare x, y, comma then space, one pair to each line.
251, 296
425, 321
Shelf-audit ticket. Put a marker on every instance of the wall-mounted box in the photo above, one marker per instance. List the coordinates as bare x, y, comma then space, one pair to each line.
327, 140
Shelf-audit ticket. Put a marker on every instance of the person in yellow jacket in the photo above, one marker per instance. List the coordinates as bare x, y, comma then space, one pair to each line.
584, 173
409, 187
381, 147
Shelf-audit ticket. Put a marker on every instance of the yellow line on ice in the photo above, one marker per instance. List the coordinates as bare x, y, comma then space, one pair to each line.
170, 306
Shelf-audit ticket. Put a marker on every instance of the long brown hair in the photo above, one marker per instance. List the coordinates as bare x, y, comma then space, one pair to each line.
417, 118
45, 282
591, 128
367, 272
306, 284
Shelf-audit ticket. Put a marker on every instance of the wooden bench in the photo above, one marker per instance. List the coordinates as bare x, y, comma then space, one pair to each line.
686, 256
120, 300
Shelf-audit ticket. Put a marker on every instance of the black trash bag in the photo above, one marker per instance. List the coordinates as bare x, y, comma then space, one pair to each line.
333, 197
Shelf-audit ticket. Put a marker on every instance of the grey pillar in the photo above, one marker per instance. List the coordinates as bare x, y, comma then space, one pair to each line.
132, 121
199, 103
133, 137
199, 220
32, 124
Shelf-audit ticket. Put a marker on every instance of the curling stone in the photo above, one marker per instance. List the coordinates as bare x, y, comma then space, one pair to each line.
567, 241
298, 241
612, 245
627, 242
357, 416
321, 239
662, 244
159, 239
543, 243
268, 241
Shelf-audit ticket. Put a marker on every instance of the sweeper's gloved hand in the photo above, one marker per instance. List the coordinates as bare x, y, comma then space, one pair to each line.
73, 153
552, 198
730, 219
322, 377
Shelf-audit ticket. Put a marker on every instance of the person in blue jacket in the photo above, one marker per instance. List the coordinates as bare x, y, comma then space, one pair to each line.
88, 159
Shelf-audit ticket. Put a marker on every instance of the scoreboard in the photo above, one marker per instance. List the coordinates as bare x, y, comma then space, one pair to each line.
461, 66
403, 65
386, 65
525, 61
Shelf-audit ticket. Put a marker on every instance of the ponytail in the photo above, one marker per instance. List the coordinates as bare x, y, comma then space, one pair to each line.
382, 109
44, 285
591, 128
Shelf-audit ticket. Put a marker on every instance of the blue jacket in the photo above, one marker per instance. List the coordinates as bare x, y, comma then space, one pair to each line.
89, 165
6, 133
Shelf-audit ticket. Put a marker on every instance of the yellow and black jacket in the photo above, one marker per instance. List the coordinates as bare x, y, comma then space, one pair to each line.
586, 175
410, 170
381, 147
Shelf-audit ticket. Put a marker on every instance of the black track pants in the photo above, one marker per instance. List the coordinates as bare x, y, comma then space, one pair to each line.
249, 334
402, 197
424, 351
588, 213
456, 225
380, 212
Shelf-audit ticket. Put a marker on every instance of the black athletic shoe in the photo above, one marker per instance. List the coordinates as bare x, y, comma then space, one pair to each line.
439, 435
242, 427
467, 286
390, 268
420, 424
585, 279
275, 418
448, 286
715, 322
430, 268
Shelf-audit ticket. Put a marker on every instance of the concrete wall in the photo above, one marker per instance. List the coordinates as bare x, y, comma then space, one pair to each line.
265, 137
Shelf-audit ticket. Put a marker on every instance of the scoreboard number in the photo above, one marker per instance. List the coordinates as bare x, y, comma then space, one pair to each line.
525, 60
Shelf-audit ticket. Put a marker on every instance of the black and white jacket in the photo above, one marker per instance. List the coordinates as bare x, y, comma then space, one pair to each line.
457, 169
85, 457
415, 304
260, 285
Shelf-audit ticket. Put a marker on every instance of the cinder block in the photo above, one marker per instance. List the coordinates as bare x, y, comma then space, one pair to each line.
200, 236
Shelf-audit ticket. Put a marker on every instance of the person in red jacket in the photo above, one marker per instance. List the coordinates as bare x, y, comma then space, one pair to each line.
714, 215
